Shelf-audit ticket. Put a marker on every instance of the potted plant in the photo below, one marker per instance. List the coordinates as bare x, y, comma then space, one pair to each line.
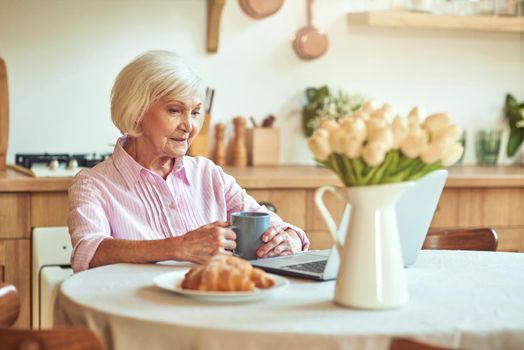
514, 113
321, 104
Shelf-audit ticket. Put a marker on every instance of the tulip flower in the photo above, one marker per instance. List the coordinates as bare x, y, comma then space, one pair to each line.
352, 148
399, 128
371, 147
452, 154
354, 128
319, 144
436, 123
415, 143
373, 153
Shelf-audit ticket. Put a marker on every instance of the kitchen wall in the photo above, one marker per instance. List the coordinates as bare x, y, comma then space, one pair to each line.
63, 56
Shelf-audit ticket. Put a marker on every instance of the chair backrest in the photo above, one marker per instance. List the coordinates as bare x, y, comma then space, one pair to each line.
406, 344
9, 305
56, 339
462, 239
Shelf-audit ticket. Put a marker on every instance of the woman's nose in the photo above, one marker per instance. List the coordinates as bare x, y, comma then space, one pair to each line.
186, 123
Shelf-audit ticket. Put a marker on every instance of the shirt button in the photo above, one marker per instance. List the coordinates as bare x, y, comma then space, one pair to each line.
172, 205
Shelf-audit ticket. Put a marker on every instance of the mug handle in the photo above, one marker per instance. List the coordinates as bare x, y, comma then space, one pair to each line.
319, 194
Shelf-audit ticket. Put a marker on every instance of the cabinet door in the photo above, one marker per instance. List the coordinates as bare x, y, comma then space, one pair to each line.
15, 269
290, 204
473, 207
49, 209
14, 215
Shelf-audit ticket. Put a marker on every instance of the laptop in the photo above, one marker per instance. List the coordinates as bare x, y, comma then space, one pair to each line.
415, 211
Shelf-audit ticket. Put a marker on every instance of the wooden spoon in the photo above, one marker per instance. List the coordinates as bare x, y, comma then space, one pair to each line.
309, 43
260, 8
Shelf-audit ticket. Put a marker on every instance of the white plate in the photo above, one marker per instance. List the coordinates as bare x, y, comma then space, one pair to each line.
171, 281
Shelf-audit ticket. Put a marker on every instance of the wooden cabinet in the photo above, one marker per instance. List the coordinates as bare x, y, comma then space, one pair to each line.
15, 260
14, 215
290, 204
42, 216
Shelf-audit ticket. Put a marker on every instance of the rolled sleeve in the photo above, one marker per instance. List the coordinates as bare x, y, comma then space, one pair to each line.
87, 221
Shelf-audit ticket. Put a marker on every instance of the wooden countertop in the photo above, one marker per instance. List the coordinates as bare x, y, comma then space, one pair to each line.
288, 176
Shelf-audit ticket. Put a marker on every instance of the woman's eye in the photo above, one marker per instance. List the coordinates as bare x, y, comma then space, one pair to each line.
174, 110
196, 113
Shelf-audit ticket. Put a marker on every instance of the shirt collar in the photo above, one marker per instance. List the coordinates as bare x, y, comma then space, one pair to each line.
130, 169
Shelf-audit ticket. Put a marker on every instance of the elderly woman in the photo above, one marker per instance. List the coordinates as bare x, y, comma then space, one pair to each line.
149, 201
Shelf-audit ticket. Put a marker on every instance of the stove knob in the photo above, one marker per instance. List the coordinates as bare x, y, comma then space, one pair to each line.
53, 164
72, 164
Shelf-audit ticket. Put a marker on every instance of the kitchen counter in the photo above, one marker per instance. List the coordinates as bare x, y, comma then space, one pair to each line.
289, 176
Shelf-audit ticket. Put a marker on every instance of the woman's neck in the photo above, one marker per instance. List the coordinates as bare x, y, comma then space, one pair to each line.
141, 152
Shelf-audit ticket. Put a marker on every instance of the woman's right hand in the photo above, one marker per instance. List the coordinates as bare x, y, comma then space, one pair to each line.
204, 242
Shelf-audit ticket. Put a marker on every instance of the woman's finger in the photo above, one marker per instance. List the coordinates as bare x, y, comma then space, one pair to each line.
229, 244
266, 248
270, 233
230, 234
282, 249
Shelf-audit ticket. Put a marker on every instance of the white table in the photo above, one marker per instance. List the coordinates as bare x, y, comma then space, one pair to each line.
471, 300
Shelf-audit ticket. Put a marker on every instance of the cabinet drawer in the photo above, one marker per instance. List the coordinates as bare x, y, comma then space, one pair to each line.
14, 215
49, 209
480, 208
14, 269
290, 204
315, 222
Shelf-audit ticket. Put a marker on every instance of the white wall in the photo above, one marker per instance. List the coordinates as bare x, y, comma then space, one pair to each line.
63, 56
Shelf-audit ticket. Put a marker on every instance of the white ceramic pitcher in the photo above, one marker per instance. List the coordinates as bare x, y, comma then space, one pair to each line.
371, 273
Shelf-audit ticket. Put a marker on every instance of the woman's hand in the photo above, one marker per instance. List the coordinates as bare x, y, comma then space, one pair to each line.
204, 242
279, 242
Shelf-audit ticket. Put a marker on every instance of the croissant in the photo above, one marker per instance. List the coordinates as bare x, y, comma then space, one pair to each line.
226, 274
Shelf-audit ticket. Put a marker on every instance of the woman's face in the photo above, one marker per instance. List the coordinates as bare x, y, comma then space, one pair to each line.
169, 126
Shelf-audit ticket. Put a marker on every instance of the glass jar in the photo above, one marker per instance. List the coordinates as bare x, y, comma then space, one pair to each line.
487, 146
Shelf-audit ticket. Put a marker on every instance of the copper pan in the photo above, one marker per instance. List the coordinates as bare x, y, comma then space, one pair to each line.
260, 8
309, 43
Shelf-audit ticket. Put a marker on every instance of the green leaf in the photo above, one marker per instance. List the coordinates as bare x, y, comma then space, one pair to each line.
516, 137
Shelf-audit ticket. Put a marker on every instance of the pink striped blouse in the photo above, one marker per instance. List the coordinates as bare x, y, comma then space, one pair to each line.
119, 198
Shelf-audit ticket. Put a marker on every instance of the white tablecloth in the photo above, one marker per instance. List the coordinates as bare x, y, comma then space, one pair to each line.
471, 300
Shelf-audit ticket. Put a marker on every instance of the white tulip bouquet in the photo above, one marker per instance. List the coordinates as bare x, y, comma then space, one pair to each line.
373, 147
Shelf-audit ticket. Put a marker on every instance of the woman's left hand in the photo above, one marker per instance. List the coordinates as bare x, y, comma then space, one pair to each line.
279, 242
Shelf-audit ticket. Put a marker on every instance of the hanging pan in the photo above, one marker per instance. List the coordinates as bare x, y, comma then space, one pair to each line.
309, 43
260, 8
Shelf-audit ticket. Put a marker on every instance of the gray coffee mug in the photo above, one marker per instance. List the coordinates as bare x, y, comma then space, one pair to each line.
249, 227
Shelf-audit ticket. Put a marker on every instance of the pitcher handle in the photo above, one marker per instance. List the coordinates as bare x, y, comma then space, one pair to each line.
319, 194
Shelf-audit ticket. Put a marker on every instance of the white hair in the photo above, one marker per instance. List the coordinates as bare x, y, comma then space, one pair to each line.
152, 76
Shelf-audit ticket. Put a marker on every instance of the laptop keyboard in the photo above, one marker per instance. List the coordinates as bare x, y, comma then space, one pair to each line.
314, 266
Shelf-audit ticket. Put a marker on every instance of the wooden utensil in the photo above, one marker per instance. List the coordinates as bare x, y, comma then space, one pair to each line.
309, 43
239, 143
4, 115
200, 145
219, 156
260, 8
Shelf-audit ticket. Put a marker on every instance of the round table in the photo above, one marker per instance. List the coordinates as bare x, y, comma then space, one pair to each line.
471, 300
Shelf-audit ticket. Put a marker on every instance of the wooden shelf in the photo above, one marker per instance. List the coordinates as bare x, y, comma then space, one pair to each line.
404, 19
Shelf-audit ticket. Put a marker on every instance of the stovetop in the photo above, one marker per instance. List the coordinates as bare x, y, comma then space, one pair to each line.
56, 164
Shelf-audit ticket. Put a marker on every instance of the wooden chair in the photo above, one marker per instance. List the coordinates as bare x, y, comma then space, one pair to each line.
406, 344
55, 339
462, 239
